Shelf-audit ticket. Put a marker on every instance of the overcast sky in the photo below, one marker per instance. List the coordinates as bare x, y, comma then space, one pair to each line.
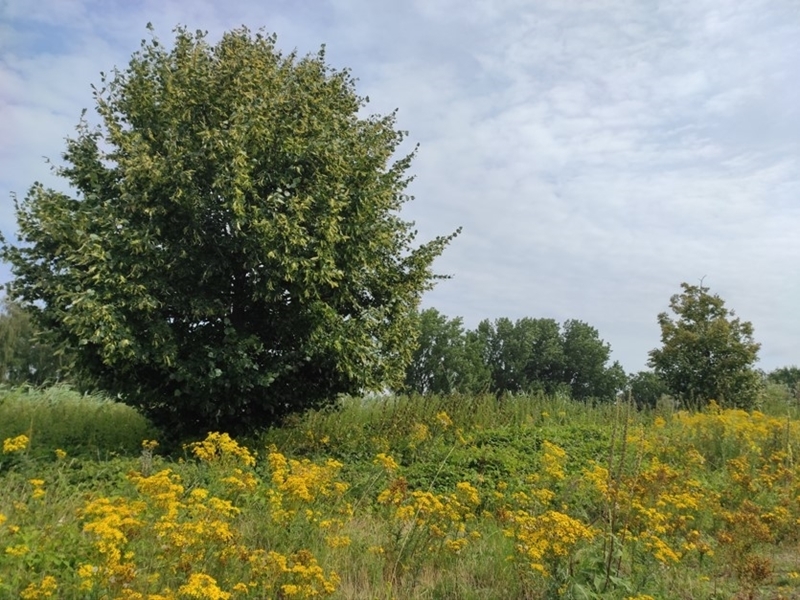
596, 152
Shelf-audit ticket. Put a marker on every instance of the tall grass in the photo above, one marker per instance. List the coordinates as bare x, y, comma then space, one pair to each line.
84, 424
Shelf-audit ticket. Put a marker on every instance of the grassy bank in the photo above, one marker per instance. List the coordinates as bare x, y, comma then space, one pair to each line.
461, 497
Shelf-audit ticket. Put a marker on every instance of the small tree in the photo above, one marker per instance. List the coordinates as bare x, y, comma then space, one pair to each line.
707, 353
234, 251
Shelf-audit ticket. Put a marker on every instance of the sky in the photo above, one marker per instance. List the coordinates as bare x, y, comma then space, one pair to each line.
597, 153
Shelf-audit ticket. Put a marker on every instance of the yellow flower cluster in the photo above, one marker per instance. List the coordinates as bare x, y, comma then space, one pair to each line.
440, 519
220, 447
202, 587
711, 489
444, 420
304, 480
15, 444
295, 576
300, 487
546, 538
46, 588
38, 488
191, 533
386, 461
554, 459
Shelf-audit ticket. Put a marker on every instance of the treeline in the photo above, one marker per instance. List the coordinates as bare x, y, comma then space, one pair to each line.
524, 356
706, 354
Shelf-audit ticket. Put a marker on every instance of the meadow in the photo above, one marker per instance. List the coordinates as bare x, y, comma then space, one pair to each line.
468, 497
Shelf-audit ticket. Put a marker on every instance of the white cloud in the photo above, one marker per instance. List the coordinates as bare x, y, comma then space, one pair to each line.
596, 152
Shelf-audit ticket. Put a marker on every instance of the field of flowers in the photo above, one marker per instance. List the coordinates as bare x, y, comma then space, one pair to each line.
416, 498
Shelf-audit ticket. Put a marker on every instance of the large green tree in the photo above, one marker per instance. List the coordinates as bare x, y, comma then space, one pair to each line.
233, 251
707, 352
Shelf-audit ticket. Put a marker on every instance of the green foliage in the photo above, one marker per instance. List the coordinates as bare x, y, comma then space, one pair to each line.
787, 376
523, 355
647, 388
707, 353
532, 355
585, 363
447, 358
234, 252
25, 356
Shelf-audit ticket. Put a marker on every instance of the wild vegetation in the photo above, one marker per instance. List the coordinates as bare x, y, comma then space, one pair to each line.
405, 497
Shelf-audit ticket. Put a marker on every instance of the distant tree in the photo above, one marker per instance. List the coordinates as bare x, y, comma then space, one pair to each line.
788, 376
234, 250
646, 388
586, 368
25, 356
508, 351
707, 353
448, 359
545, 368
539, 355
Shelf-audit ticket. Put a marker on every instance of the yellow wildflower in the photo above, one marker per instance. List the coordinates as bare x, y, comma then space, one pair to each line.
149, 445
290, 589
60, 454
20, 550
16, 444
553, 460
218, 446
87, 572
38, 488
337, 541
203, 587
45, 589
386, 461
455, 546
444, 419
419, 433
469, 493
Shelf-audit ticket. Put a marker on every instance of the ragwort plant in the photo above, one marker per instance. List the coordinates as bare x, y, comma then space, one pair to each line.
680, 506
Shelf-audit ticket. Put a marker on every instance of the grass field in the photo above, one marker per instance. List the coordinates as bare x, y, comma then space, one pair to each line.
458, 497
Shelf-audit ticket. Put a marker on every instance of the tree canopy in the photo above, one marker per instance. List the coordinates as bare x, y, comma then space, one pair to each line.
448, 359
504, 356
233, 251
646, 389
707, 352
